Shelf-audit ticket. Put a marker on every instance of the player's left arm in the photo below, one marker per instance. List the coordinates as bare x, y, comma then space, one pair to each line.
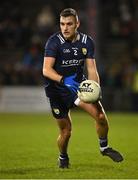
92, 70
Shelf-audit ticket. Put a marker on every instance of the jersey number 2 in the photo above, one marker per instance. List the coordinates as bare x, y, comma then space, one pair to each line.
75, 52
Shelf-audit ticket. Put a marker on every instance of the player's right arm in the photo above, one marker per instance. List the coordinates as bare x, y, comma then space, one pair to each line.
50, 55
48, 67
48, 70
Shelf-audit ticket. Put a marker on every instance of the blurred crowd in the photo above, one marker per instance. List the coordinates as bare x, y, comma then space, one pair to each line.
119, 40
24, 31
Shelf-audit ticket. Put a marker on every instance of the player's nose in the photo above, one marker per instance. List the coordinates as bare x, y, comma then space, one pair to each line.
66, 28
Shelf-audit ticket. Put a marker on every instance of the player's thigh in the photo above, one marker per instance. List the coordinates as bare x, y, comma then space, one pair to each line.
58, 108
61, 113
95, 110
64, 124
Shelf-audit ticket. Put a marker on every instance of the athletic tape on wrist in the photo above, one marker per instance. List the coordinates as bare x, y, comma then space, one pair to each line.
77, 101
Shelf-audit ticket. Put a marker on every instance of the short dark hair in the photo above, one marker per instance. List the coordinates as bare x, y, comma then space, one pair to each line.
69, 12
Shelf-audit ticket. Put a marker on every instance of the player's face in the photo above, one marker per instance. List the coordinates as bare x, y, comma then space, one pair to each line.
68, 26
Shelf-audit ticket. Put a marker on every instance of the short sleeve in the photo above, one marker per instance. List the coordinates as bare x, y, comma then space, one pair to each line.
90, 48
50, 48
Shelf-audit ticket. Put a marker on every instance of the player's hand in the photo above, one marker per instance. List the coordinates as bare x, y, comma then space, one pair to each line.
70, 83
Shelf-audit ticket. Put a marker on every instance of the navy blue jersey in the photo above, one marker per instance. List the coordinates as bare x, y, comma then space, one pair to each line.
69, 56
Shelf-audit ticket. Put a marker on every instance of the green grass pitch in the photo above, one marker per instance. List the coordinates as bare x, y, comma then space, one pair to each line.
28, 148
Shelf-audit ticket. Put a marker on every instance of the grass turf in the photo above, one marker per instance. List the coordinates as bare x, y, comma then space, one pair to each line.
28, 147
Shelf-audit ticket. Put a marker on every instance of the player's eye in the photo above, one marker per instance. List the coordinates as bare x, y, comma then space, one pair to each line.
69, 24
62, 24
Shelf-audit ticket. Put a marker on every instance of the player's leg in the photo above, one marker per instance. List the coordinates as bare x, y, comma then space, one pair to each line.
62, 116
97, 112
64, 125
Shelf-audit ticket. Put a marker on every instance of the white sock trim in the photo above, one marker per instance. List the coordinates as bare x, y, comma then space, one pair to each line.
103, 148
61, 158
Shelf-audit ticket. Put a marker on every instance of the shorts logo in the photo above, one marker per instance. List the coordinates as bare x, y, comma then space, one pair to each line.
84, 51
56, 111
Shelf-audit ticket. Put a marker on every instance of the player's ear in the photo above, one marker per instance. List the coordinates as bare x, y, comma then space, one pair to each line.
78, 24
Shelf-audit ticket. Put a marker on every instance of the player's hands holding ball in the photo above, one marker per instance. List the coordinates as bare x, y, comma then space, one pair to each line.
70, 83
89, 91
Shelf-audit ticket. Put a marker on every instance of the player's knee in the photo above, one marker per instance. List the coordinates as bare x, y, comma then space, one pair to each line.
66, 132
101, 116
101, 119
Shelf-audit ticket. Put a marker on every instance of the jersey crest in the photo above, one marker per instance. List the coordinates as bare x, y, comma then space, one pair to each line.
84, 51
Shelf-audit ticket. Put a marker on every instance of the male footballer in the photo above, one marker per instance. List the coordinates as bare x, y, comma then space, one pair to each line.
66, 52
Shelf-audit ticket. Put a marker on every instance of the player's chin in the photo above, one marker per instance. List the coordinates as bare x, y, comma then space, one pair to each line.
67, 36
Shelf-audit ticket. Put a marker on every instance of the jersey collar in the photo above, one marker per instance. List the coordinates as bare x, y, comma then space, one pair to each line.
76, 39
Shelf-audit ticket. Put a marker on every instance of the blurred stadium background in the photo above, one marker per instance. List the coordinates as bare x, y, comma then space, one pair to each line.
28, 140
25, 27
